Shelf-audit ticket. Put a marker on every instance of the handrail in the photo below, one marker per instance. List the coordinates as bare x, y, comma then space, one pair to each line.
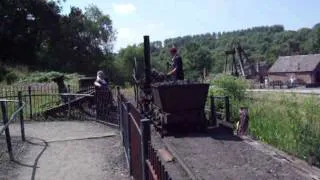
13, 115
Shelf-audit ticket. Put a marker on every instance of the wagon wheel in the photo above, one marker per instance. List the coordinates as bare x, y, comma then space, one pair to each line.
164, 127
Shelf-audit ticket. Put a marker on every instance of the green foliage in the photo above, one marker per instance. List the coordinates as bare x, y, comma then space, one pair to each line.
227, 85
264, 43
41, 77
234, 88
36, 34
3, 72
125, 62
10, 78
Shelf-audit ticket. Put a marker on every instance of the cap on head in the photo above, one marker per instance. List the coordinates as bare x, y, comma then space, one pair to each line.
173, 50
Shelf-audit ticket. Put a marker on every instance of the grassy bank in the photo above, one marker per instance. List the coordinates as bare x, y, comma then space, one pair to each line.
289, 122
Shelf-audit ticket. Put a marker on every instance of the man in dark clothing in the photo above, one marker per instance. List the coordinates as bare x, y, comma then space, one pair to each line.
103, 97
177, 71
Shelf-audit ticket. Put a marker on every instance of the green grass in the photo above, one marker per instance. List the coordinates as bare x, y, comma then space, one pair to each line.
287, 121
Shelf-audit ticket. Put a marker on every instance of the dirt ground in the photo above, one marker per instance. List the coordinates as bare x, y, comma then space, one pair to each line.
65, 150
223, 156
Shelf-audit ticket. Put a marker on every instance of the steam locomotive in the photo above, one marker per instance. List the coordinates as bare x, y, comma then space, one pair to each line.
171, 105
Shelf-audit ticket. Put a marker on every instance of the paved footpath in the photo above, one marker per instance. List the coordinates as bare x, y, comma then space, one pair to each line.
65, 150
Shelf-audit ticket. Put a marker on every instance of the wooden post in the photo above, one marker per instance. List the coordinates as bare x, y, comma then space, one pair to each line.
147, 84
21, 117
147, 61
244, 122
119, 107
30, 101
7, 132
69, 103
129, 136
213, 111
227, 109
145, 139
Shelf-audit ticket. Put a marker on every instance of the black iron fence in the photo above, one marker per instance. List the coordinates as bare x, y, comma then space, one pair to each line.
143, 160
6, 121
43, 98
38, 98
218, 111
106, 107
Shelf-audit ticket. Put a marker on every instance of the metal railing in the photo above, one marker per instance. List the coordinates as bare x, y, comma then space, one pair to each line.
144, 163
40, 98
7, 121
218, 110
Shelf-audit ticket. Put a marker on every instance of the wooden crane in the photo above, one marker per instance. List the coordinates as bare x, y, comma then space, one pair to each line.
238, 66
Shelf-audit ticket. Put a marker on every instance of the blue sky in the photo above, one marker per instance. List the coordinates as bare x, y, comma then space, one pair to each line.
163, 19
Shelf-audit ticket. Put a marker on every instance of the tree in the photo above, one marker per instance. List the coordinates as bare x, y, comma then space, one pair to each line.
125, 62
34, 33
25, 26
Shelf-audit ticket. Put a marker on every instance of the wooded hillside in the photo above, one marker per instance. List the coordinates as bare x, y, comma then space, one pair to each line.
207, 50
36, 34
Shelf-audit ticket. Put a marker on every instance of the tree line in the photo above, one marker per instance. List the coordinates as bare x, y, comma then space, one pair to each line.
35, 33
265, 43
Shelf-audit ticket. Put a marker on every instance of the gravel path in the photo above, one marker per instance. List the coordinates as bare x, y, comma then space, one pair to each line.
66, 150
224, 156
174, 169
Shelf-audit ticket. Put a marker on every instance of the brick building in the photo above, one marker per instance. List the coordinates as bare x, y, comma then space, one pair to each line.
305, 69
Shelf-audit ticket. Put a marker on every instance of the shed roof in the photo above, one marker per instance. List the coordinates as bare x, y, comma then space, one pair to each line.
297, 63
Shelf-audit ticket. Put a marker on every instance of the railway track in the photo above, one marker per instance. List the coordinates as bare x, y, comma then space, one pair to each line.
222, 155
178, 155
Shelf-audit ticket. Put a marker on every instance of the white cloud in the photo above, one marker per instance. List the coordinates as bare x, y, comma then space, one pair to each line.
154, 26
126, 36
124, 9
134, 35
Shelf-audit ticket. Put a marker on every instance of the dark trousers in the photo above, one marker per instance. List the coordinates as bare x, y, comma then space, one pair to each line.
103, 98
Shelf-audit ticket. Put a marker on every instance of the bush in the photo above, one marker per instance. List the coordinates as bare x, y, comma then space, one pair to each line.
227, 85
234, 88
11, 77
3, 72
41, 77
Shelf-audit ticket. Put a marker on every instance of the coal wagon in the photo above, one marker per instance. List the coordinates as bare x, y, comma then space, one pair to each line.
178, 106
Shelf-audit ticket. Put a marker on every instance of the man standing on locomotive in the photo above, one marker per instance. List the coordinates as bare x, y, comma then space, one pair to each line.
177, 66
